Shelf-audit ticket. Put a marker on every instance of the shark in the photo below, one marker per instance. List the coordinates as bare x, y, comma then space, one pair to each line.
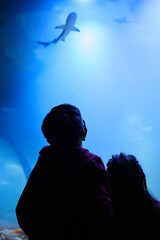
122, 20
67, 28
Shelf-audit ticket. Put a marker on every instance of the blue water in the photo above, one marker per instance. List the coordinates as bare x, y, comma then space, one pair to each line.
110, 70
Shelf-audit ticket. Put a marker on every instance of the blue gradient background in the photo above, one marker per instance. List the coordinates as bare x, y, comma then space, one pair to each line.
110, 70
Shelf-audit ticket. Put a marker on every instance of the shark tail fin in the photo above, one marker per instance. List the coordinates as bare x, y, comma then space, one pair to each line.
45, 44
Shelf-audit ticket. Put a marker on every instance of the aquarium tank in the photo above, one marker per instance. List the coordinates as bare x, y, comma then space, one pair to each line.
99, 55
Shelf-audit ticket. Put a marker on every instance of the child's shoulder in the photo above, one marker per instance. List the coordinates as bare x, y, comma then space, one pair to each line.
90, 158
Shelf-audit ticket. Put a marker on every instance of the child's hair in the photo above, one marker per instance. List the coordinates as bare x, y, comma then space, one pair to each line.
137, 211
125, 170
128, 187
63, 125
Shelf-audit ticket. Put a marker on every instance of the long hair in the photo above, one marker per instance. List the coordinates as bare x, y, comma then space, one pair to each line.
130, 196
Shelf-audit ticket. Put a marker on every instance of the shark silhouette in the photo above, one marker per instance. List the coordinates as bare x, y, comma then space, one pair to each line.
67, 28
122, 20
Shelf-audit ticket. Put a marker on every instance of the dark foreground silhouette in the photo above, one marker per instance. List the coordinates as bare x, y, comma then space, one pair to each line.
136, 212
65, 196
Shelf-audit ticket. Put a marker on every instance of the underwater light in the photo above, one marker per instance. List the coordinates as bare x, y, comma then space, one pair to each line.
88, 41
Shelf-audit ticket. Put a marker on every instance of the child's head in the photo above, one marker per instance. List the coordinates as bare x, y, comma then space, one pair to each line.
124, 171
126, 182
64, 125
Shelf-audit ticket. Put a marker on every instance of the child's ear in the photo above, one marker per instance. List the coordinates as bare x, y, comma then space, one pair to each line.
84, 133
85, 129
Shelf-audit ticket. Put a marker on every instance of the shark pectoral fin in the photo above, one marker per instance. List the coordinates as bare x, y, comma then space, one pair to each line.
45, 44
75, 29
61, 26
